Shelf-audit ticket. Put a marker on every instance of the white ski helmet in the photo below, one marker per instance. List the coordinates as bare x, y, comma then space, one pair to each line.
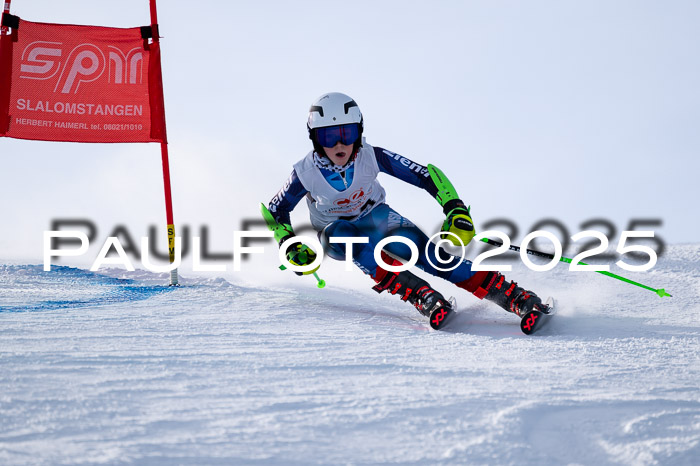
334, 109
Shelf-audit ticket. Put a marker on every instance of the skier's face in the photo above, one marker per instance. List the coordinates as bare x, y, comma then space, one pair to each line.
339, 154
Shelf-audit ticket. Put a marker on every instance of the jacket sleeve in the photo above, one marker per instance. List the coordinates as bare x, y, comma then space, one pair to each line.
405, 169
287, 199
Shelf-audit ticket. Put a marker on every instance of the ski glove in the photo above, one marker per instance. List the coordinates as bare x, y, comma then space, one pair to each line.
300, 254
297, 253
459, 222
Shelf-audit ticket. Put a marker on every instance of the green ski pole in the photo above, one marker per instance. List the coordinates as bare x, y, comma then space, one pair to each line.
661, 292
279, 231
319, 281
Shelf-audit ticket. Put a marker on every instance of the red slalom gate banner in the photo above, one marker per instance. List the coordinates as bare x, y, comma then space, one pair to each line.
71, 83
80, 84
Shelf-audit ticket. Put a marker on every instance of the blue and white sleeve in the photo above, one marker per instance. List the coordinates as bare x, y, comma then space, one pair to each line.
405, 169
287, 199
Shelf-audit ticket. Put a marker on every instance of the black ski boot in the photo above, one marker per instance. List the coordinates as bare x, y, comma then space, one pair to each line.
418, 292
510, 296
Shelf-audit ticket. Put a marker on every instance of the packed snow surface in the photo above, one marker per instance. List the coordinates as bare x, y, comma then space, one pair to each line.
113, 367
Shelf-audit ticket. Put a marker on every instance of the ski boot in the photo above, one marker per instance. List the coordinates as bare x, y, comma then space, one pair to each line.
511, 297
416, 291
533, 313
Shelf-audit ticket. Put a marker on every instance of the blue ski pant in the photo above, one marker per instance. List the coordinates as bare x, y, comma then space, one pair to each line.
379, 223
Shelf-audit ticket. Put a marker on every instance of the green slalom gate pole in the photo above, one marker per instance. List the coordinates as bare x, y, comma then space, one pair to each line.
661, 292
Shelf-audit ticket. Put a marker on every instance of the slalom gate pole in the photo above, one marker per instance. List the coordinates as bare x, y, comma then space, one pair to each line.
166, 168
6, 9
661, 292
169, 211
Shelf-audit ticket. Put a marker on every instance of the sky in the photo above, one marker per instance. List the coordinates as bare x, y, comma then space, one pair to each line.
572, 111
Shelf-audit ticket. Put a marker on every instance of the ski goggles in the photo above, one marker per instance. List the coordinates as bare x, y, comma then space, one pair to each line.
331, 135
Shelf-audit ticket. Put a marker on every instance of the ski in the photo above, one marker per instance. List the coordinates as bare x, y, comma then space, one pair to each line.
441, 315
534, 320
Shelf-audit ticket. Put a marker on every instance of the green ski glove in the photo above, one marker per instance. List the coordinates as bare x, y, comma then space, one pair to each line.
459, 220
297, 253
300, 254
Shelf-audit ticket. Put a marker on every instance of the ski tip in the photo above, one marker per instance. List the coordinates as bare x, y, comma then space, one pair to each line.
439, 317
531, 321
537, 318
661, 292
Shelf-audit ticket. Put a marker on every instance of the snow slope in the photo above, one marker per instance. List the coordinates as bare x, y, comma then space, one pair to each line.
114, 368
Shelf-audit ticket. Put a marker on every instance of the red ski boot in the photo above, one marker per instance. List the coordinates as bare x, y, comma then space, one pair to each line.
416, 291
509, 296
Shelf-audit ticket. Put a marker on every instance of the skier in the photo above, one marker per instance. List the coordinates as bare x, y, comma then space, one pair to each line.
339, 180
